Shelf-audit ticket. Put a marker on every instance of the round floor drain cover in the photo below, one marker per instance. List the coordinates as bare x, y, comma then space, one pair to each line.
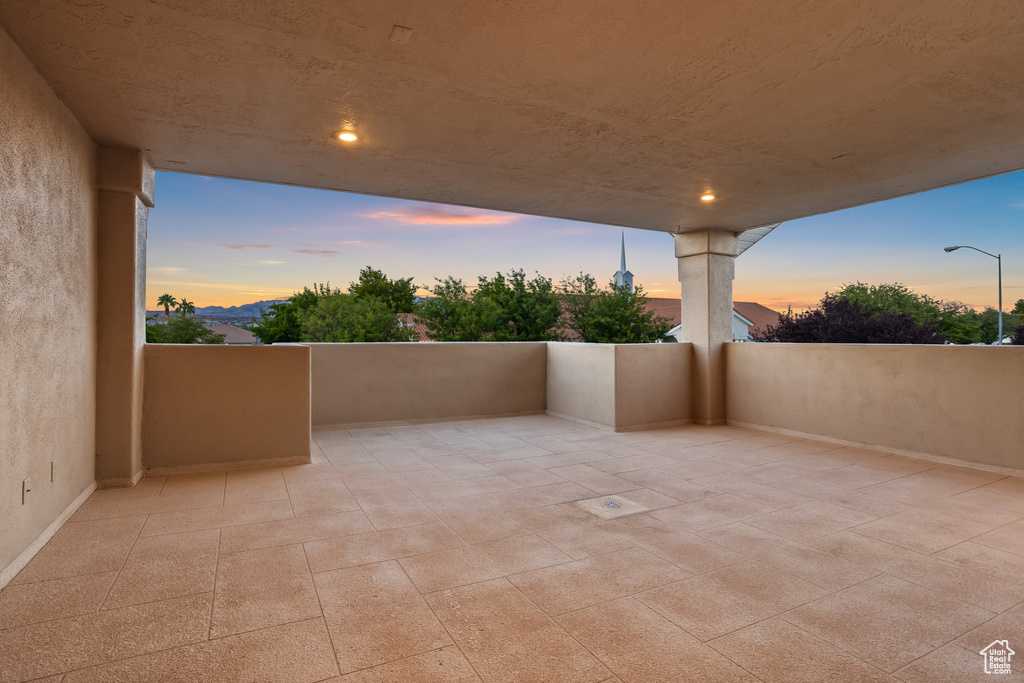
611, 504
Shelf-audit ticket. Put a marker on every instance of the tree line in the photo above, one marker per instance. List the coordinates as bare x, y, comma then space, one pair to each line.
893, 314
505, 307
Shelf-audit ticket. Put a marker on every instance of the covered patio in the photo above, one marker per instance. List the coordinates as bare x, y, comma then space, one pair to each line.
390, 512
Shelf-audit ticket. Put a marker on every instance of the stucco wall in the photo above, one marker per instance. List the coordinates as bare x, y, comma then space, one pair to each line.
581, 382
209, 406
652, 384
957, 402
47, 305
381, 383
621, 386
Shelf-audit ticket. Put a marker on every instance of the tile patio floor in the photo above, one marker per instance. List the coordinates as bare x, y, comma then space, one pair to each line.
456, 552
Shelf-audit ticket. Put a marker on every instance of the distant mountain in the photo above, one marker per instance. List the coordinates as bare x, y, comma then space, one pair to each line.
243, 311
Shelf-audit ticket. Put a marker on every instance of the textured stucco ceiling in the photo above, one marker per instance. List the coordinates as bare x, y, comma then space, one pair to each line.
619, 112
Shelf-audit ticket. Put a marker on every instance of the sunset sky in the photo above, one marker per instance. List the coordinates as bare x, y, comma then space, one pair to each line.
228, 242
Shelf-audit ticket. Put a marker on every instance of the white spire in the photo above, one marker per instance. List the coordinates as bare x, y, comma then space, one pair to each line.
624, 278
623, 266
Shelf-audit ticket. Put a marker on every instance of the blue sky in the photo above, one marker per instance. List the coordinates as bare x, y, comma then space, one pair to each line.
226, 242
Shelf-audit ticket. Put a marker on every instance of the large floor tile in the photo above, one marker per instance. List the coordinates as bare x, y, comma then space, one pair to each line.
350, 551
194, 482
1009, 538
594, 479
682, 490
461, 467
711, 605
394, 509
460, 566
447, 665
164, 567
216, 518
297, 653
507, 638
475, 520
51, 647
147, 505
234, 539
261, 588
954, 581
924, 531
254, 486
574, 585
638, 644
538, 496
711, 512
445, 490
812, 565
524, 473
886, 621
811, 520
30, 603
375, 615
987, 560
321, 497
685, 550
83, 548
777, 652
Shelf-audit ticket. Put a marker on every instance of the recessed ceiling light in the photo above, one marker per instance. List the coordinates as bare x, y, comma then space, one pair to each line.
347, 136
707, 197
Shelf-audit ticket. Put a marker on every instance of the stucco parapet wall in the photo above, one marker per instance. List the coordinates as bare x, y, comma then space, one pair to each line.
122, 169
374, 384
622, 387
213, 406
959, 404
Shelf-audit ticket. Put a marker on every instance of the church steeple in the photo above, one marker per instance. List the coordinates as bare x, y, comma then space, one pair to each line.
624, 278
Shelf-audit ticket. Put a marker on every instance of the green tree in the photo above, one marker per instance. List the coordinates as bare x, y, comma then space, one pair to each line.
960, 324
452, 314
181, 330
610, 316
399, 295
989, 321
281, 322
340, 317
185, 307
529, 309
893, 298
168, 302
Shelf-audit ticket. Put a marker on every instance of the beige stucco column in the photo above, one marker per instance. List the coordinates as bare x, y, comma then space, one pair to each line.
124, 186
706, 270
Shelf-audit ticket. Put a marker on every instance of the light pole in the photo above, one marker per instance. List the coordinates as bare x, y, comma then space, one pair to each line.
999, 259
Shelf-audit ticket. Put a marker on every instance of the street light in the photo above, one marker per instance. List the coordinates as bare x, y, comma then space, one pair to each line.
999, 258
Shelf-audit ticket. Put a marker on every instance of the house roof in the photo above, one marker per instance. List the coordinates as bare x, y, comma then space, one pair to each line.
760, 316
232, 334
618, 113
418, 328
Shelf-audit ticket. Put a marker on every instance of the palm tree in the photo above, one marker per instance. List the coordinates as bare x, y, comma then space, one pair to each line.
167, 301
185, 307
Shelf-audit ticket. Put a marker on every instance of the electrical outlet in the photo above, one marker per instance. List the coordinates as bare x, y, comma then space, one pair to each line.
26, 488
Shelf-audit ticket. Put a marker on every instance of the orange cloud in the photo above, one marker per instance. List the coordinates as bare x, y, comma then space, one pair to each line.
436, 215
